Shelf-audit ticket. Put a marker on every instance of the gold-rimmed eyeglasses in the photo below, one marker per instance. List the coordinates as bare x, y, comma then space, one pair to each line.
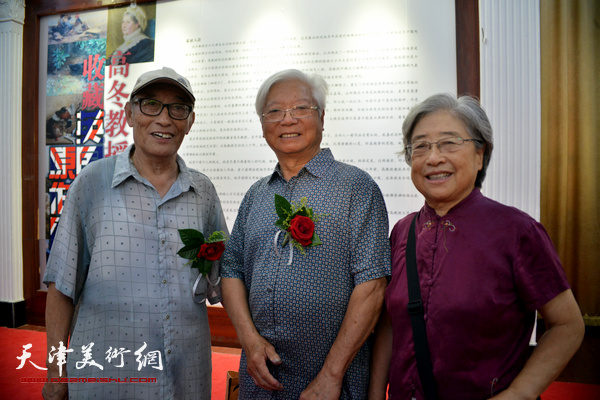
297, 112
446, 145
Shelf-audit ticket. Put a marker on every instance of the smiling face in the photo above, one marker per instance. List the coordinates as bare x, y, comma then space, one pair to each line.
128, 25
445, 179
158, 138
299, 139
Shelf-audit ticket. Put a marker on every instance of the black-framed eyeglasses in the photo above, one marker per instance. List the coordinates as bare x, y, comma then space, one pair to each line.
446, 145
297, 112
154, 107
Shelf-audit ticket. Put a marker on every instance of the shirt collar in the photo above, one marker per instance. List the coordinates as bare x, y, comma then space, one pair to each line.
317, 166
475, 194
124, 169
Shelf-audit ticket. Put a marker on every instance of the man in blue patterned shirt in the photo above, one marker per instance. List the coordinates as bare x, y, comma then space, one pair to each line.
141, 331
304, 319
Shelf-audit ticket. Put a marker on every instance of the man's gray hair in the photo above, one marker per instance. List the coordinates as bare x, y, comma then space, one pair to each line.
317, 84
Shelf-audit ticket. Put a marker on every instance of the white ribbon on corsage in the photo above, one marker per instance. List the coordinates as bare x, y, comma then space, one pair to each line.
195, 287
277, 248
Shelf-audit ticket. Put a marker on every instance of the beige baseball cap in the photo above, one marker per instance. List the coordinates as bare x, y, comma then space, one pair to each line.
165, 75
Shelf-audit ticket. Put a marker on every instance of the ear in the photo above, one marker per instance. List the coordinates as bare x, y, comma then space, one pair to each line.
192, 118
129, 113
480, 153
323, 120
262, 126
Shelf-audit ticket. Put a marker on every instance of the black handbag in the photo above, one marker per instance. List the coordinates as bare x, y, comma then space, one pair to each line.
416, 312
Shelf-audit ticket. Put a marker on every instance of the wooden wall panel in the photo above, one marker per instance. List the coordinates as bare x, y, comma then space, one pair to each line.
467, 47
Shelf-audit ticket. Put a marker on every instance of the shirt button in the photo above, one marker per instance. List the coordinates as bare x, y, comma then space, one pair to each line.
162, 241
164, 281
425, 317
269, 290
167, 317
168, 351
433, 246
430, 282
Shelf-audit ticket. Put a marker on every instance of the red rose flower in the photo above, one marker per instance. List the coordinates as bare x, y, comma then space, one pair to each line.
302, 229
211, 251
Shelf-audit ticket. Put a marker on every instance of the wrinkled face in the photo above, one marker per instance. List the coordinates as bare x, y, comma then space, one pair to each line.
128, 25
158, 137
444, 179
292, 137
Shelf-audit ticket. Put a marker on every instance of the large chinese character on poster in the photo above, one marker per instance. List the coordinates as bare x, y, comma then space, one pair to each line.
83, 50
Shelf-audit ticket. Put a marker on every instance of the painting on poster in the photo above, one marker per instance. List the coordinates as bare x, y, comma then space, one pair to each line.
76, 48
61, 118
131, 34
65, 163
76, 27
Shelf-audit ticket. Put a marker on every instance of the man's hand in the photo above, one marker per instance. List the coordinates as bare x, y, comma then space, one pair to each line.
321, 388
258, 350
360, 318
55, 391
59, 313
258, 353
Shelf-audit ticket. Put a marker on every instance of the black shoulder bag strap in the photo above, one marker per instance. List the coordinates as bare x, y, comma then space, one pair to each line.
416, 311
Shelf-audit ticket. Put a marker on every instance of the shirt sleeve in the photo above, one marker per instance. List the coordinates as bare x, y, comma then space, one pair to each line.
232, 264
539, 273
216, 222
69, 258
369, 219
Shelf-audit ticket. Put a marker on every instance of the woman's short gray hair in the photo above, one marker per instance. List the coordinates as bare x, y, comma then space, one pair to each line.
465, 108
138, 14
317, 84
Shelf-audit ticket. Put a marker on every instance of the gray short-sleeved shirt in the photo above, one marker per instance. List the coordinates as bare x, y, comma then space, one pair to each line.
115, 255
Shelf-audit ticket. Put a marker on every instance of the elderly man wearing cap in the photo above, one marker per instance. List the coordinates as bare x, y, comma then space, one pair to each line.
141, 329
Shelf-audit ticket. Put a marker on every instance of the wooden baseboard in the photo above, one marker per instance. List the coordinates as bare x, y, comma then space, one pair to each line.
222, 332
35, 309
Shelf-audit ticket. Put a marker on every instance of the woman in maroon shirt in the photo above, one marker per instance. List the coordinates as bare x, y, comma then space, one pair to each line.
484, 269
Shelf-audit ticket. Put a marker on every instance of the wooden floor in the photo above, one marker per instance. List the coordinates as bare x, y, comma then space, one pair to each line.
584, 367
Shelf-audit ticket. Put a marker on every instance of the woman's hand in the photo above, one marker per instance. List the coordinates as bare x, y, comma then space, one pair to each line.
509, 394
564, 333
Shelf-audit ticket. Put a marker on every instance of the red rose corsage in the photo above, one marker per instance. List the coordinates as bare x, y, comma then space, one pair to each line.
201, 252
298, 221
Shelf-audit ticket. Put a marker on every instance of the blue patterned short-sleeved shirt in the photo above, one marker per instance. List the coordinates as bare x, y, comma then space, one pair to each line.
299, 308
115, 255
